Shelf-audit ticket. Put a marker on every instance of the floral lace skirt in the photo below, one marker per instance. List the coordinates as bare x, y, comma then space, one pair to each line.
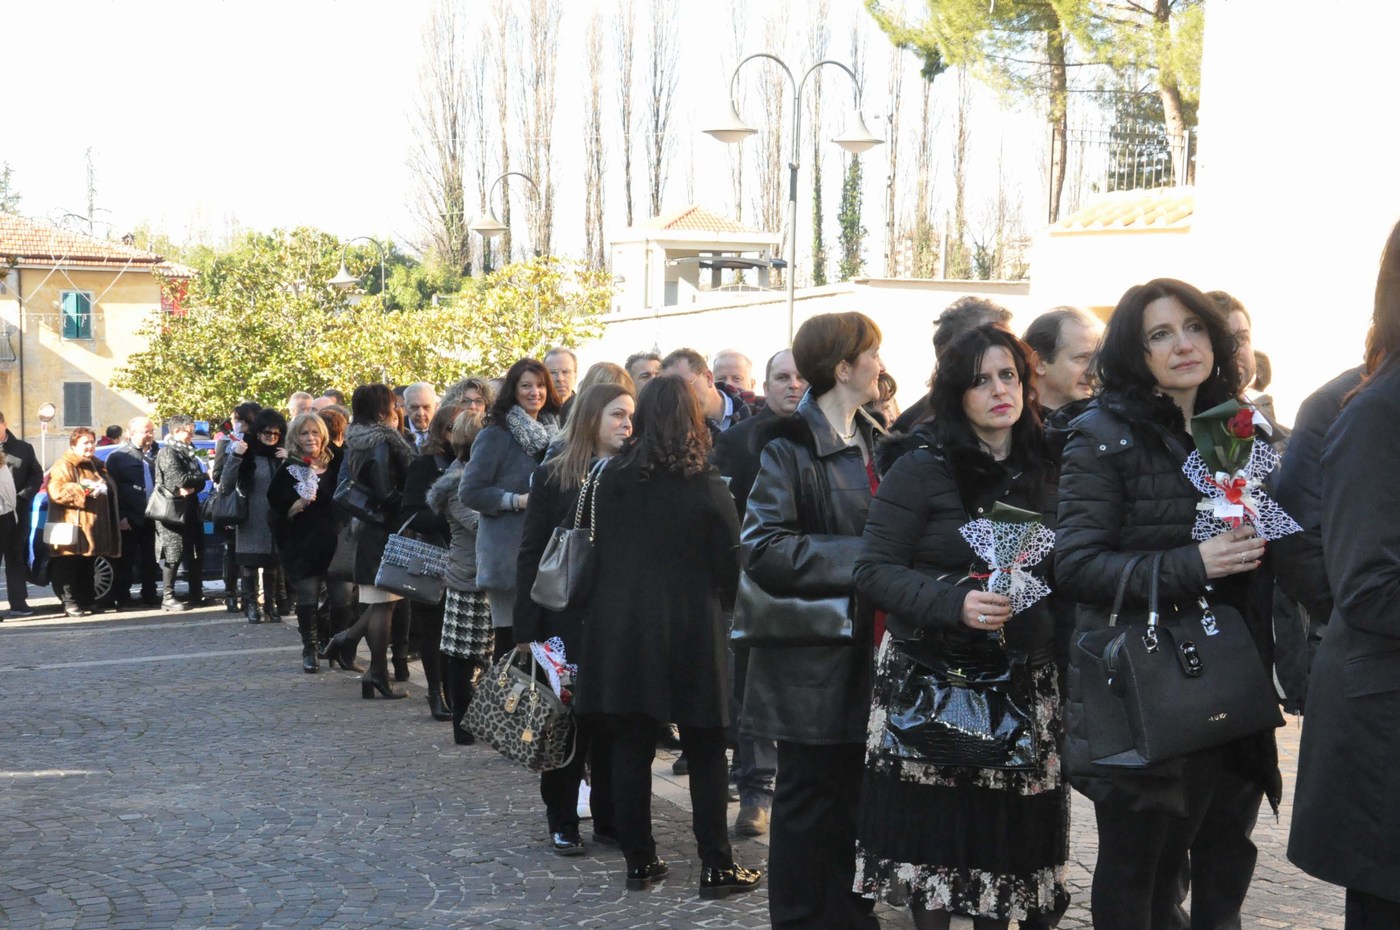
978, 842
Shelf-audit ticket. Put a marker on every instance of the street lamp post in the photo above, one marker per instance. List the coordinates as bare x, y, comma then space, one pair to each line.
855, 140
486, 223
345, 280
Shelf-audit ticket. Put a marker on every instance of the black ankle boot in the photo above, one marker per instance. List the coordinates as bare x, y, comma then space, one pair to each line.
436, 705
306, 625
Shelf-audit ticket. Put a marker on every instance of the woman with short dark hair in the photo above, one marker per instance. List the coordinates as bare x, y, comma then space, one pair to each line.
652, 643
958, 839
251, 465
1166, 355
378, 457
496, 482
81, 495
801, 538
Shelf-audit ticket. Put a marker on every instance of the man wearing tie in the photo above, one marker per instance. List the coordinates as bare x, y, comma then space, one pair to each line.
421, 401
132, 467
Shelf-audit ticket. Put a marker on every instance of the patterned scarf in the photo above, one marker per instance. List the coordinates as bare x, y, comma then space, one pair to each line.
533, 435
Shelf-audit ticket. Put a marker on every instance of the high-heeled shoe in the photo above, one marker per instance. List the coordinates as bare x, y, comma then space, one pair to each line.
331, 649
338, 655
370, 683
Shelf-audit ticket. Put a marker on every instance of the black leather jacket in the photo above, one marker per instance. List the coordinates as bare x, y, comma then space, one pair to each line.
801, 536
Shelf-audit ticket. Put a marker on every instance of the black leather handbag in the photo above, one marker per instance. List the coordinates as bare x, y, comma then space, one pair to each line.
1160, 688
356, 500
222, 509
763, 619
968, 705
412, 568
164, 507
566, 567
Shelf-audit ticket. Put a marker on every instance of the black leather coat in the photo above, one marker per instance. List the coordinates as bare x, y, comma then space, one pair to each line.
1122, 492
382, 472
801, 537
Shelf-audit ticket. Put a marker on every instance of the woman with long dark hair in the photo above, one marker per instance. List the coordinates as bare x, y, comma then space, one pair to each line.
240, 422
251, 463
801, 539
1346, 828
496, 482
653, 645
305, 522
378, 457
1166, 355
598, 429
957, 839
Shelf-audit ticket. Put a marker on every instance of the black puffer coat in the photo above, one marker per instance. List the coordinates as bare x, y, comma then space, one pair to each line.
928, 493
1122, 492
801, 537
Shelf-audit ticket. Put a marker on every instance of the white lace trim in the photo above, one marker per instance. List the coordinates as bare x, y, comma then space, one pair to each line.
1232, 500
1009, 549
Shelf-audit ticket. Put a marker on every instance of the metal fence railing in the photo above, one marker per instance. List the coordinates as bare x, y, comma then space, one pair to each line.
1132, 156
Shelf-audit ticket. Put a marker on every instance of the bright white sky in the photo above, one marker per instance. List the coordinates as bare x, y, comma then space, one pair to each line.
201, 114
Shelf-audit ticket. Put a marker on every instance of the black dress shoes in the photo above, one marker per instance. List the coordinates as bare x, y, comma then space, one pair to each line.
566, 844
606, 839
721, 883
640, 878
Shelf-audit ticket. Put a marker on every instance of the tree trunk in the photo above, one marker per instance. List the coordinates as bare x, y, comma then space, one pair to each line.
896, 94
1059, 116
503, 51
626, 42
1170, 95
595, 243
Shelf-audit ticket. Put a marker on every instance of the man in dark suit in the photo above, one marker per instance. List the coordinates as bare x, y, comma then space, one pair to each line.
132, 466
28, 476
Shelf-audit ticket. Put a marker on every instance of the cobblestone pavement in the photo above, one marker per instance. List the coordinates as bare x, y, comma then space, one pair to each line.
179, 771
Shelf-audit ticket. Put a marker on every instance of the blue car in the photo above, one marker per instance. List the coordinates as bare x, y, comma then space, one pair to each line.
104, 574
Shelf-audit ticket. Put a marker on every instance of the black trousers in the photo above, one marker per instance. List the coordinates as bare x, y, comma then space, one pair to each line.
1369, 912
73, 581
812, 840
559, 787
633, 739
1143, 856
14, 548
137, 562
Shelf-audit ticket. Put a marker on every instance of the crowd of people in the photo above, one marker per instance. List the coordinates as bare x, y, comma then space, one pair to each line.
715, 509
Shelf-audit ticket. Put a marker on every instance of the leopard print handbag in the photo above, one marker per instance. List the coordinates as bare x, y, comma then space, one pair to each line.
517, 712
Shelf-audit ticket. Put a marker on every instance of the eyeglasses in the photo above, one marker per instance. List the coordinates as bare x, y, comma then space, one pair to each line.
270, 432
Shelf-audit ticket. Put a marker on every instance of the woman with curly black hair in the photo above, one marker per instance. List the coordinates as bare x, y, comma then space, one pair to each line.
652, 643
252, 462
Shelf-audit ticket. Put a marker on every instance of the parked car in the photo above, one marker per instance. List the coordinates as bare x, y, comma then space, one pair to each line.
102, 568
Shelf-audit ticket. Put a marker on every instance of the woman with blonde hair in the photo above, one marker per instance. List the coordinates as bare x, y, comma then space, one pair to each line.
304, 520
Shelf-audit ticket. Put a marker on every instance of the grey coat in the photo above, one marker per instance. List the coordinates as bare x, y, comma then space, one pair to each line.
499, 466
253, 537
462, 523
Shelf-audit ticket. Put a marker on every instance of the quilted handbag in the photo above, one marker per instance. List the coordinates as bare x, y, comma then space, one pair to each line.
763, 619
1154, 690
566, 567
412, 568
225, 509
162, 507
519, 715
969, 705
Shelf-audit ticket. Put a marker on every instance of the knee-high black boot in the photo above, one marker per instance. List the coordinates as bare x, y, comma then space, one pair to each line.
248, 584
306, 625
167, 594
398, 638
460, 675
272, 607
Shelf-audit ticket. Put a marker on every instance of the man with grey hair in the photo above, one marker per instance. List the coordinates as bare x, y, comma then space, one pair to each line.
299, 402
562, 364
961, 316
132, 466
1065, 341
735, 369
421, 402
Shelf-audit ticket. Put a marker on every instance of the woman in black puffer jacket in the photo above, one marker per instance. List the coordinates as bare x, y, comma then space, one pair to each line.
1167, 354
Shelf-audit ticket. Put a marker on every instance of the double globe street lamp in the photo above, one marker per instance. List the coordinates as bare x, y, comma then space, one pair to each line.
858, 138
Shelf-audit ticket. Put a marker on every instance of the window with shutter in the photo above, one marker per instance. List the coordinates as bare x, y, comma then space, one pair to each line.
77, 315
77, 403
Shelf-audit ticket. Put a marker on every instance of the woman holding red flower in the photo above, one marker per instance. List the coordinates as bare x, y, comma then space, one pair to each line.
304, 521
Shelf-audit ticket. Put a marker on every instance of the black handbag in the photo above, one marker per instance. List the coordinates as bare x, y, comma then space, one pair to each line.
1155, 689
969, 705
222, 509
566, 567
342, 567
357, 500
412, 568
163, 507
763, 619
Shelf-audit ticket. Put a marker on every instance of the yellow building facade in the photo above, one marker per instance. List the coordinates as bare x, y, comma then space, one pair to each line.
70, 310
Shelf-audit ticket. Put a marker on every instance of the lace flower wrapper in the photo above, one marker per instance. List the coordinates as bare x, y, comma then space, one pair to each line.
306, 482
1233, 500
550, 655
1010, 547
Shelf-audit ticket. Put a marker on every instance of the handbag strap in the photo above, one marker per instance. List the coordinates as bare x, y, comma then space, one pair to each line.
1153, 611
1123, 588
590, 483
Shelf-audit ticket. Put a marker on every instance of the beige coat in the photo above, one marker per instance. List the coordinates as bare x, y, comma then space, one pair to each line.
95, 514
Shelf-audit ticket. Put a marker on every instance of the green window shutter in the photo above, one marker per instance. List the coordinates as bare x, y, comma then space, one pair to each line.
77, 315
77, 403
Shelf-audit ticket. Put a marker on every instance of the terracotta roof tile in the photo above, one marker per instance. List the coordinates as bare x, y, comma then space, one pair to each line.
27, 240
695, 219
1167, 208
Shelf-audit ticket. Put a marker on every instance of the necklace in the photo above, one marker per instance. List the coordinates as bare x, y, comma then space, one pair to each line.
847, 437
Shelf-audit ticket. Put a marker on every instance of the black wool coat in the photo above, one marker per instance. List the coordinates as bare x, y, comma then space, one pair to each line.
550, 506
423, 473
27, 474
1346, 813
737, 450
306, 542
801, 538
1123, 493
667, 566
127, 465
912, 539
